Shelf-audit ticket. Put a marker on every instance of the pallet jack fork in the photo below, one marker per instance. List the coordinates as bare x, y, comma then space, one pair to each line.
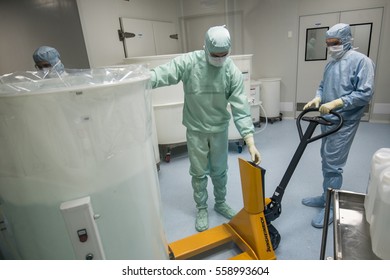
251, 229
247, 229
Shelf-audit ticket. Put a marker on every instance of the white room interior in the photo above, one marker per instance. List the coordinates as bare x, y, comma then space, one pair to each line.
88, 33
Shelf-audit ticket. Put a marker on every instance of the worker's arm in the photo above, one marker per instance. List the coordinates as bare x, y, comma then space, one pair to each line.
241, 112
238, 100
363, 87
169, 73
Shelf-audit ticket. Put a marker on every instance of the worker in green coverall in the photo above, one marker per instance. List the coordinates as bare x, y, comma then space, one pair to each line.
211, 81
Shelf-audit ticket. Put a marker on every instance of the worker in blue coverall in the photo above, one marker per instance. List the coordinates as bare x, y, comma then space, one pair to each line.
210, 81
347, 88
47, 60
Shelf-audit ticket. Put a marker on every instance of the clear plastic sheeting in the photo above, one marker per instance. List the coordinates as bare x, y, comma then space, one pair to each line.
87, 133
30, 82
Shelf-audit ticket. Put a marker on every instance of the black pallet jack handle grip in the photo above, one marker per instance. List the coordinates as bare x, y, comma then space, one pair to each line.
318, 120
306, 138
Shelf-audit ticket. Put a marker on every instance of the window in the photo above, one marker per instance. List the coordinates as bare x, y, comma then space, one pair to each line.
315, 44
361, 34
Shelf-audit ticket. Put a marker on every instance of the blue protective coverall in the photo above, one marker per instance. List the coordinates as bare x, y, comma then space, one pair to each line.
351, 79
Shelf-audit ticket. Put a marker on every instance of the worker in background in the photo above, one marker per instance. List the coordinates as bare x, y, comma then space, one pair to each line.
211, 81
47, 60
310, 49
347, 88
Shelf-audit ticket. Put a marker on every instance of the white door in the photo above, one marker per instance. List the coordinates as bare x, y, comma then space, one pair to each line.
145, 37
139, 38
312, 58
166, 38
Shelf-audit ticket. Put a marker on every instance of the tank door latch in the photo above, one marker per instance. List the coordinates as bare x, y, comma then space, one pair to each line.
82, 234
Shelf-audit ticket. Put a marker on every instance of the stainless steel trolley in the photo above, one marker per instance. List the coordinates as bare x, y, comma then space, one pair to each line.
351, 231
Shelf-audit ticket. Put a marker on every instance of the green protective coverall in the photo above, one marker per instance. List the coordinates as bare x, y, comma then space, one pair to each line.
208, 90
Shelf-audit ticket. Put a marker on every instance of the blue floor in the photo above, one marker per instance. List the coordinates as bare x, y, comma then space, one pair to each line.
277, 143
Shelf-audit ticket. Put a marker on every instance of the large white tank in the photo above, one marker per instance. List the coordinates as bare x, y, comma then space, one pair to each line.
78, 178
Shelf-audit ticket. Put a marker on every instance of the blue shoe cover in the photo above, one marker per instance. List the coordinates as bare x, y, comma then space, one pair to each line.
315, 201
202, 220
318, 221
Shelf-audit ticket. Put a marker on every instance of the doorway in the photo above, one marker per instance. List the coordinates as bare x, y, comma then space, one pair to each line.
194, 28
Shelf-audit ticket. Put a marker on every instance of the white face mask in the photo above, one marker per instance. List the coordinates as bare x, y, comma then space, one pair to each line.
45, 71
51, 72
336, 52
217, 61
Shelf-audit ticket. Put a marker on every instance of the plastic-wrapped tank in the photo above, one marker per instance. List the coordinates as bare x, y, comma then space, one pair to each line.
78, 178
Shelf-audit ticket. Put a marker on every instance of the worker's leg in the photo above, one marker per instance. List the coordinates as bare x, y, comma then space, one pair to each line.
199, 186
334, 152
332, 162
218, 172
197, 145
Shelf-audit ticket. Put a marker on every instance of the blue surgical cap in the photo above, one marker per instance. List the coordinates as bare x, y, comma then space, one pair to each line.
46, 53
217, 40
340, 31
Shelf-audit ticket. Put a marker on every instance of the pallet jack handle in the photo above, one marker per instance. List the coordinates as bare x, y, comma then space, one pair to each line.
319, 120
305, 138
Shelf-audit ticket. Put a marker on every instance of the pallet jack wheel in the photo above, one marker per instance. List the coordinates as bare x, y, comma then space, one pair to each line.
274, 235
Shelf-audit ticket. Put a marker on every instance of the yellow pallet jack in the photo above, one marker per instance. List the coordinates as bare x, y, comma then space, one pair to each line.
251, 229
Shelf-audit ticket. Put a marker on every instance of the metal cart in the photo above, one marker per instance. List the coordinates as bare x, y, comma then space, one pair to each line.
351, 232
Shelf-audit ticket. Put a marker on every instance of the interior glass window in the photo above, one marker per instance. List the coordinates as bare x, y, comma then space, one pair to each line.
315, 44
361, 34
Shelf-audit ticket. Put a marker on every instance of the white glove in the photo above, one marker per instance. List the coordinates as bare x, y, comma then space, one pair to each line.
337, 103
250, 142
314, 103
